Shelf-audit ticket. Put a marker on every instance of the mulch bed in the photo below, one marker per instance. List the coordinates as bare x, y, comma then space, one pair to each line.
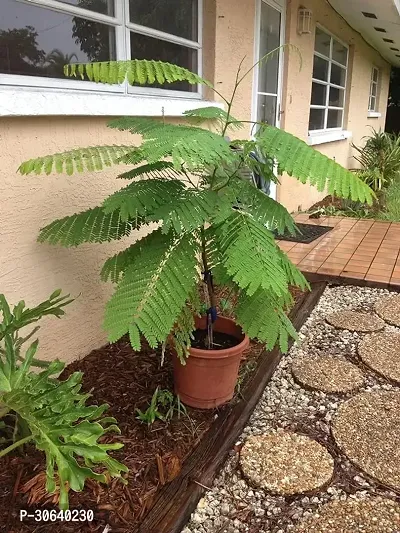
308, 233
126, 380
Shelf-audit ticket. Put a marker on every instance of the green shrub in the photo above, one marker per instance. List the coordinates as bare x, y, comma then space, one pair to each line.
379, 159
36, 407
211, 220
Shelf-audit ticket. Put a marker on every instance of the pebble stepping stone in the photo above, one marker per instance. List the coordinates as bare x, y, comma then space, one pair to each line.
286, 463
354, 321
372, 515
327, 373
367, 429
381, 352
389, 309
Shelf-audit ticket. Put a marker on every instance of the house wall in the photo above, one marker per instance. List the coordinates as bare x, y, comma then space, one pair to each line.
297, 93
32, 271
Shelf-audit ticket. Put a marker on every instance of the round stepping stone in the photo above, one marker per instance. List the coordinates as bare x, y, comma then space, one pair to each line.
389, 309
367, 429
381, 352
354, 321
286, 463
373, 515
327, 373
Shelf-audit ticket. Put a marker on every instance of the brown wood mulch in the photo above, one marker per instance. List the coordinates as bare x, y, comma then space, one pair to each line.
126, 380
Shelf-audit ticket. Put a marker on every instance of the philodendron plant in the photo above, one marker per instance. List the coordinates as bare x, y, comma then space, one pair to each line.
212, 223
52, 414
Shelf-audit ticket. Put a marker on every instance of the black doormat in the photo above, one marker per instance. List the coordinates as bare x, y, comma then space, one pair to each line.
308, 233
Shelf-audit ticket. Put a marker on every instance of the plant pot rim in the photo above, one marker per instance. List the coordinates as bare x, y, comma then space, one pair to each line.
226, 352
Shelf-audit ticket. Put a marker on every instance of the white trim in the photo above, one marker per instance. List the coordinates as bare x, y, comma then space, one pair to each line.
328, 136
374, 114
328, 83
373, 83
52, 102
70, 9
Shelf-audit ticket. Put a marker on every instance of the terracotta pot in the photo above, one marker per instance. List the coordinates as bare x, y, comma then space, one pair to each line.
209, 377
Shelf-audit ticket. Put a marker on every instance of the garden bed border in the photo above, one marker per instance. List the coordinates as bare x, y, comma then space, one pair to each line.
177, 500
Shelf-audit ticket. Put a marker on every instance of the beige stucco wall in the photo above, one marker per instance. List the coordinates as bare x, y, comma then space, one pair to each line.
297, 93
32, 271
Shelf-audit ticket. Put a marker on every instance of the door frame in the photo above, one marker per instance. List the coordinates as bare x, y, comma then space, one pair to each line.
279, 5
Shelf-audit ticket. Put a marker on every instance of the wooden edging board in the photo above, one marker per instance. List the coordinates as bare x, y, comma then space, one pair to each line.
177, 500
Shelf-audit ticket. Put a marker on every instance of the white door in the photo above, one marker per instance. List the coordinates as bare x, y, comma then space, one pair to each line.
270, 19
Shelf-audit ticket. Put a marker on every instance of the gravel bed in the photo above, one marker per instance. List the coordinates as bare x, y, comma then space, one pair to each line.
233, 505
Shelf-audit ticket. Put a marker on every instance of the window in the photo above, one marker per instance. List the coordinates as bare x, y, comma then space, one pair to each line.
37, 37
328, 83
373, 91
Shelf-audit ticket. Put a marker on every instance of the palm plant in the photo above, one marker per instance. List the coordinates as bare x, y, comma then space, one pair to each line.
379, 159
212, 224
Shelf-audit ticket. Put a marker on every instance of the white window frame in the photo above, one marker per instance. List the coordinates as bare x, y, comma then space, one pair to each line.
327, 107
373, 110
122, 37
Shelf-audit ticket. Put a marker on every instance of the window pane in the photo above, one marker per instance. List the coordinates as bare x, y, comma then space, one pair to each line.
321, 67
334, 118
267, 109
317, 117
322, 42
339, 53
269, 40
374, 89
336, 97
143, 47
38, 42
375, 74
106, 7
338, 75
318, 94
178, 17
372, 103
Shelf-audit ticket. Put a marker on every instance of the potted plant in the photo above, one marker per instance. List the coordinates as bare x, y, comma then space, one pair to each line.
212, 225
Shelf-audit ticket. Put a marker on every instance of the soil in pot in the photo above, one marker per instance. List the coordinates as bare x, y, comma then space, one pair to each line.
221, 340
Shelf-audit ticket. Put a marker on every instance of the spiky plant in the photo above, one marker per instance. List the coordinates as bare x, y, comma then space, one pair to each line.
212, 222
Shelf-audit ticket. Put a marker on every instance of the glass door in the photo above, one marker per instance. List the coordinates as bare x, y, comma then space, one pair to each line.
267, 76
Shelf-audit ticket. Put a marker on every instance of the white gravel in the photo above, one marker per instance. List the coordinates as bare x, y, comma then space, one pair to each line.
233, 506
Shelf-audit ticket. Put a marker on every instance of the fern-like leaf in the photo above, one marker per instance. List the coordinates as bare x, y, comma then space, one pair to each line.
262, 207
135, 71
92, 225
156, 170
182, 332
308, 165
154, 288
262, 316
203, 114
142, 198
189, 210
186, 145
115, 266
293, 275
79, 160
250, 254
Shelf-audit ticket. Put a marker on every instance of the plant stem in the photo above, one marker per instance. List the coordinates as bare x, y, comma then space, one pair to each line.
210, 288
15, 445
